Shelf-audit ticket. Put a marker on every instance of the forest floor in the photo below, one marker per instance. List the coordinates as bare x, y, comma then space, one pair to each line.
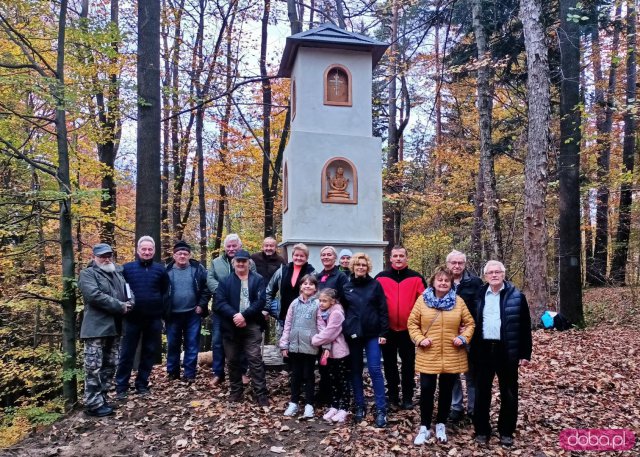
577, 379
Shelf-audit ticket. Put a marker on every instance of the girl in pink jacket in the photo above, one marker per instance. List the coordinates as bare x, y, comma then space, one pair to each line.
335, 351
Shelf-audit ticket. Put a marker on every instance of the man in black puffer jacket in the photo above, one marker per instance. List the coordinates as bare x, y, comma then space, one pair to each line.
502, 342
150, 284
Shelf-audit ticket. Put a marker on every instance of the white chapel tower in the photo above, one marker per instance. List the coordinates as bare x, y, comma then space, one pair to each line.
332, 165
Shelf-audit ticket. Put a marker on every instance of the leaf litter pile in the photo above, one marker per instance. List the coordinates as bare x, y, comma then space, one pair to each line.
577, 379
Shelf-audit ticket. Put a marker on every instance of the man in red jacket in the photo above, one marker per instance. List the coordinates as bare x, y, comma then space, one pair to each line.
402, 286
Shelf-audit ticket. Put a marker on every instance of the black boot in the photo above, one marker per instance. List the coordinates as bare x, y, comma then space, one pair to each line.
381, 418
359, 414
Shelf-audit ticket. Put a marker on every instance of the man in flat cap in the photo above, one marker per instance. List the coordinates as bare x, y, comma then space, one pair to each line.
106, 298
188, 303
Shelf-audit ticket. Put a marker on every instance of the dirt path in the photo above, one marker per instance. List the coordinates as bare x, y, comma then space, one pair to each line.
578, 379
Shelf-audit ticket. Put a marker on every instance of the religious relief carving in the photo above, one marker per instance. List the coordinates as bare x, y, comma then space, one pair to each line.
337, 86
337, 185
339, 181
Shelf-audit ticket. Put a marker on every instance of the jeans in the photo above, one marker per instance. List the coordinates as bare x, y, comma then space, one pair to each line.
374, 356
245, 343
183, 327
492, 361
149, 329
427, 393
217, 348
399, 343
457, 398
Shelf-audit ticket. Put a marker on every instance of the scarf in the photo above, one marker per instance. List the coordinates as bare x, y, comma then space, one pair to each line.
445, 303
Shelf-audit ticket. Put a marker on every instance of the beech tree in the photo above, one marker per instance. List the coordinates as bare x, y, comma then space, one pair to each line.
629, 146
486, 198
149, 115
597, 258
569, 246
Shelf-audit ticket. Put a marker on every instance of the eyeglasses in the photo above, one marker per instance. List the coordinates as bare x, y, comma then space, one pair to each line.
494, 272
108, 255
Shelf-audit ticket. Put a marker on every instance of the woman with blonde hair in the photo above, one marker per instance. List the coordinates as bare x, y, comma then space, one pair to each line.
365, 328
434, 325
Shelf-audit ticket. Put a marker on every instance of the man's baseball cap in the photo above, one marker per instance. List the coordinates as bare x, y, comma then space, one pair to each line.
102, 248
242, 255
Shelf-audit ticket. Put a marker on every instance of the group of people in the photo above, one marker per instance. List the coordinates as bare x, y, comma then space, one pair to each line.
335, 318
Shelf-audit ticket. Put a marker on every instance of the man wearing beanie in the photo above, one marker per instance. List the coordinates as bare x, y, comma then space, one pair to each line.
188, 304
106, 300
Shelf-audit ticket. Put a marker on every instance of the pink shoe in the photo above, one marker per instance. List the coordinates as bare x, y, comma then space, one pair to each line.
329, 414
340, 416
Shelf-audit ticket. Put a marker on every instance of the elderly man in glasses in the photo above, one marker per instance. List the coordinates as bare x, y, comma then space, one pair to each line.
502, 343
466, 286
106, 299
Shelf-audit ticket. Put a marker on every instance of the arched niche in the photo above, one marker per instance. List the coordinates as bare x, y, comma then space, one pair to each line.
337, 85
339, 181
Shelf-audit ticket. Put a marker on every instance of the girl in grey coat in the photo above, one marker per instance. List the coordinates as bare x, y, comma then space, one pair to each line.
299, 327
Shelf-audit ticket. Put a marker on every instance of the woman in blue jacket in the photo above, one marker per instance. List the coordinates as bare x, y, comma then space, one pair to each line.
365, 328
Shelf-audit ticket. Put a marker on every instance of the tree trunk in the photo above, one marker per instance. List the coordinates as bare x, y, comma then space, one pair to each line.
340, 14
294, 21
148, 134
268, 199
619, 264
485, 107
166, 141
535, 170
570, 281
392, 212
68, 298
109, 117
597, 265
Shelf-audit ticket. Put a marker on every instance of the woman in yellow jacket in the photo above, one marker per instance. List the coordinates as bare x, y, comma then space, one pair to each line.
433, 326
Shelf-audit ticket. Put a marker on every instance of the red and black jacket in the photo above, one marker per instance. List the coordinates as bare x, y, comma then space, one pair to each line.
401, 288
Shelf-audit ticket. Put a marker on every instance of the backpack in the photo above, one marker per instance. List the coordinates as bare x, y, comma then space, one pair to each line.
551, 319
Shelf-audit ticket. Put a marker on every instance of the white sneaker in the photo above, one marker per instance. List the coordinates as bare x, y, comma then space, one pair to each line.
329, 414
308, 412
441, 433
291, 410
423, 435
340, 416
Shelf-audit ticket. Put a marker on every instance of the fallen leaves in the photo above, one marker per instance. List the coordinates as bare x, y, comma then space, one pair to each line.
577, 379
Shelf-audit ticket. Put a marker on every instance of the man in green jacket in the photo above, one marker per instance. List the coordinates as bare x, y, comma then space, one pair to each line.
106, 298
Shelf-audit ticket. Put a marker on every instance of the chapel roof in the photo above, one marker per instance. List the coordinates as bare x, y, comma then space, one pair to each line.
329, 36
